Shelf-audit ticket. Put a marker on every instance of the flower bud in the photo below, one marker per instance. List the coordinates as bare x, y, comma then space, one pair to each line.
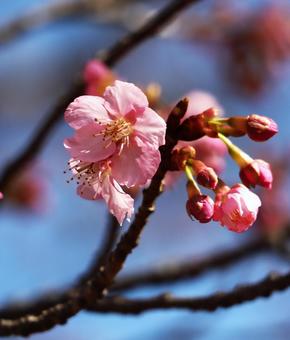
1, 195
201, 207
258, 172
205, 175
180, 157
261, 128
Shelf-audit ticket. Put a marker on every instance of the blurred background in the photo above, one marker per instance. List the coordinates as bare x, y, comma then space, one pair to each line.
238, 52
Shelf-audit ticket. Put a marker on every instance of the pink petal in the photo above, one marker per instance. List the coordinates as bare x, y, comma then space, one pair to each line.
88, 145
122, 98
120, 204
150, 127
84, 110
135, 165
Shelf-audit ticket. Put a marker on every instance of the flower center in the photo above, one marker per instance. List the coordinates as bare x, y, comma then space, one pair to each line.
118, 131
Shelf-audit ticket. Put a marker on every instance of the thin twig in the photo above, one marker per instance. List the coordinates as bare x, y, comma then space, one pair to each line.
242, 293
190, 268
96, 287
110, 57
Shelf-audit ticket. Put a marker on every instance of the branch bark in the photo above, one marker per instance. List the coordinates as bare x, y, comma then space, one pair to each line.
243, 293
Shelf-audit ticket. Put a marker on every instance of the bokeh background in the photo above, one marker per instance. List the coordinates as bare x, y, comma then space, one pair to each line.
50, 247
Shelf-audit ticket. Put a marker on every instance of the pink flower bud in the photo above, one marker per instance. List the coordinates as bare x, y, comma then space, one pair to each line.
1, 195
258, 172
236, 208
261, 128
200, 207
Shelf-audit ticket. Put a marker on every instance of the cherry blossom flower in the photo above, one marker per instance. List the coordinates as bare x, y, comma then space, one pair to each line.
95, 181
1, 195
119, 126
236, 208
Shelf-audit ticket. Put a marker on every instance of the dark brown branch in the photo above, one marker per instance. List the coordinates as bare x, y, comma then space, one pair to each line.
240, 294
110, 57
96, 287
190, 268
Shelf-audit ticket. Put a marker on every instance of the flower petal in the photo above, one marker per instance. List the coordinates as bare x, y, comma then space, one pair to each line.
122, 98
150, 127
135, 165
88, 144
84, 110
120, 204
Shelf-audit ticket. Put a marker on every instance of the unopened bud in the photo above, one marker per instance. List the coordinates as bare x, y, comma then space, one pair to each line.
201, 207
205, 175
258, 172
261, 128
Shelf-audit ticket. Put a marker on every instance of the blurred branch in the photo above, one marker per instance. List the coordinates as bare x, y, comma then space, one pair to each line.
53, 12
96, 287
242, 293
110, 57
190, 268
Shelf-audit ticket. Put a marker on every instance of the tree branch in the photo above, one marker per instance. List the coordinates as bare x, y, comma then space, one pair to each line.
190, 268
110, 57
264, 288
96, 287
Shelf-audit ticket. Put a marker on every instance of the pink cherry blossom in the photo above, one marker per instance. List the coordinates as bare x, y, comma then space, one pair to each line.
95, 181
236, 208
1, 195
119, 126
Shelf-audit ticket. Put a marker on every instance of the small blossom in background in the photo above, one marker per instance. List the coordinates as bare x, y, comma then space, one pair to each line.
1, 195
29, 189
236, 208
257, 46
118, 128
97, 77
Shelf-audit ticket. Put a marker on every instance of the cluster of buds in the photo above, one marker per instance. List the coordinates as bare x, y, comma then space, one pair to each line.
235, 207
208, 123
